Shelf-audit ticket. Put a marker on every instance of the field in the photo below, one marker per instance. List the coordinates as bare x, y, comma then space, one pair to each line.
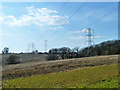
105, 76
95, 72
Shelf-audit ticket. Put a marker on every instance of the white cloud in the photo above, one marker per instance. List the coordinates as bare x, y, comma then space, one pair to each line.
80, 31
45, 11
1, 19
41, 17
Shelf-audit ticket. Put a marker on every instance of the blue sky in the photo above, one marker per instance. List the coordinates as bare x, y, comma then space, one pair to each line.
62, 24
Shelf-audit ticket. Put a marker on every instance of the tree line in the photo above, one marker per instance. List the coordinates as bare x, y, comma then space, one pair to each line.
104, 48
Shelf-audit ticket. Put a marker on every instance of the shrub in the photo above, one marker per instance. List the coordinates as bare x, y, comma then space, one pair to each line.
52, 57
12, 59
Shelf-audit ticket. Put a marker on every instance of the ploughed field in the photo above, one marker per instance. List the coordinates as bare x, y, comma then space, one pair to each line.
100, 71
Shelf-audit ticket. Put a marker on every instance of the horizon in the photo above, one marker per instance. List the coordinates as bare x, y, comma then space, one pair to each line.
30, 52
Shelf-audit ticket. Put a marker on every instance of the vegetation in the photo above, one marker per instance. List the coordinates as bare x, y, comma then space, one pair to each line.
52, 57
104, 48
105, 76
12, 59
24, 70
5, 50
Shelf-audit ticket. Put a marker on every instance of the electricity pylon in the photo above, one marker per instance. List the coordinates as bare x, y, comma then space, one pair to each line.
90, 41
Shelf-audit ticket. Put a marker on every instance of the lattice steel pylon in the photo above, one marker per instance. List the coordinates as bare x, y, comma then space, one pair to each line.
90, 37
45, 46
28, 48
32, 47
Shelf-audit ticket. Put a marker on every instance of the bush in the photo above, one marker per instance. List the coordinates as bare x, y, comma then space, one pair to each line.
52, 57
12, 59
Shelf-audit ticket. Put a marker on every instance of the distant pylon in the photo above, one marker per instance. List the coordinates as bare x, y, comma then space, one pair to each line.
32, 47
45, 45
28, 48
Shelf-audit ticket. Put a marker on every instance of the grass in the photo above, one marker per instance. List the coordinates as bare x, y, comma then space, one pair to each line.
110, 83
29, 69
105, 76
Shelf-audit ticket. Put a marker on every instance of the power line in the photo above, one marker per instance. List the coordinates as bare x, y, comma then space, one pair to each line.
76, 11
101, 17
90, 15
63, 6
68, 19
104, 15
85, 17
112, 26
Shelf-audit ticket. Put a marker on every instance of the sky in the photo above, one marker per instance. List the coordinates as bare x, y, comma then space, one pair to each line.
63, 24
